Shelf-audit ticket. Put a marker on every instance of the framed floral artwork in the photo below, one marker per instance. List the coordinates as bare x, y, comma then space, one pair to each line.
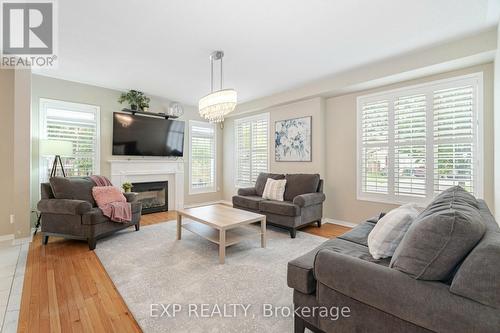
292, 140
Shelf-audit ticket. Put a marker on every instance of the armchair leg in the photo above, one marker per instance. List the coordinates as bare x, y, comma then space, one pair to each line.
298, 325
137, 227
319, 223
92, 243
45, 240
293, 232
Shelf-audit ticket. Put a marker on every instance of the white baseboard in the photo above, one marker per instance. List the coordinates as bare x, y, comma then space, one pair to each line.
24, 240
6, 237
339, 222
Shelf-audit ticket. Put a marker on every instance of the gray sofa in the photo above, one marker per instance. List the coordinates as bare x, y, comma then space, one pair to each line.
382, 297
302, 205
68, 210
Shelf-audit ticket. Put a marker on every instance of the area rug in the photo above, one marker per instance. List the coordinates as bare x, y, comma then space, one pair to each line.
179, 286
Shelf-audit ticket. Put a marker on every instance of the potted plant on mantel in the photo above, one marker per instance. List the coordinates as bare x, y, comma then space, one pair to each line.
145, 104
135, 98
127, 186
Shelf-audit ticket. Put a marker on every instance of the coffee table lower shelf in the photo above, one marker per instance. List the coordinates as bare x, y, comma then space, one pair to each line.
233, 236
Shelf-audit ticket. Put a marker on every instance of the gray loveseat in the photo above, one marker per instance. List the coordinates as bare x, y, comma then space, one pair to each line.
381, 298
303, 201
68, 210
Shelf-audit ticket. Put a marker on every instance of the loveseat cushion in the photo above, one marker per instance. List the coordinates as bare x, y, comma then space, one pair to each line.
301, 270
297, 184
478, 277
248, 202
75, 188
440, 237
260, 183
279, 207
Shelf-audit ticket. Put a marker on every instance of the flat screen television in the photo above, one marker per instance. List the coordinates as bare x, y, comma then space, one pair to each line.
136, 135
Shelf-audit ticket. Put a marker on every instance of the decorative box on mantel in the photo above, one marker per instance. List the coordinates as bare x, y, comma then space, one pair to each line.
152, 170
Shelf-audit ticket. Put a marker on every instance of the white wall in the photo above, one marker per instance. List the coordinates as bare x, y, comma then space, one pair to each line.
15, 88
314, 107
106, 99
334, 146
340, 186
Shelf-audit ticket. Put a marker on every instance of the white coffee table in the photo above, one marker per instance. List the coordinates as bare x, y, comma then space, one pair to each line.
222, 225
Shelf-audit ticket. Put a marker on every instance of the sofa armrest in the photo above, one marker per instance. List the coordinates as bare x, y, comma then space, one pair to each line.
64, 206
130, 196
247, 191
428, 304
309, 199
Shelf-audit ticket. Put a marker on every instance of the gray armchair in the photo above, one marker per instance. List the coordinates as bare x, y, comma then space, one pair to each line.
302, 205
78, 217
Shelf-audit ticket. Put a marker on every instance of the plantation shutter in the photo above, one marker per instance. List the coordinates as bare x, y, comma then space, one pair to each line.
202, 156
374, 146
409, 145
67, 123
415, 142
454, 134
252, 147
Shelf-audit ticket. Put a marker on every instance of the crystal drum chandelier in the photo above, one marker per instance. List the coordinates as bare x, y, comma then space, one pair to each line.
219, 103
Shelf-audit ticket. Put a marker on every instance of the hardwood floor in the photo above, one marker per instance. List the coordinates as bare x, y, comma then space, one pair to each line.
66, 288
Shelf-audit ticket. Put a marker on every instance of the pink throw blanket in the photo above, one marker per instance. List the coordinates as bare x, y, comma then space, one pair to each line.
111, 200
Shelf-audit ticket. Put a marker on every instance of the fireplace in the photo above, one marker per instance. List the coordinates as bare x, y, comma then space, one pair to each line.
153, 195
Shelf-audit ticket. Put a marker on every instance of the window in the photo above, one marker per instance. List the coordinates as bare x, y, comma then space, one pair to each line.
252, 148
78, 124
415, 142
202, 143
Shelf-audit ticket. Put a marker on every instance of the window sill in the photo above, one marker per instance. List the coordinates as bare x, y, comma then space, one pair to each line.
422, 202
195, 192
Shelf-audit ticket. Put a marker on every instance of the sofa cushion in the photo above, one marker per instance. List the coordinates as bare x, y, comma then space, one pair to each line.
300, 274
260, 183
478, 277
279, 207
359, 234
441, 236
458, 195
297, 184
248, 202
76, 188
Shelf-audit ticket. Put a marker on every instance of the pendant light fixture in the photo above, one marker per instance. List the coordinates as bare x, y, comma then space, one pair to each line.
219, 103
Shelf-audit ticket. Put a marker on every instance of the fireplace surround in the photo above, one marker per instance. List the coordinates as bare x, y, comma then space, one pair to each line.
143, 170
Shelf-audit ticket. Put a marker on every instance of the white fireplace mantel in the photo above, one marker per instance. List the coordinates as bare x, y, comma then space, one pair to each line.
151, 170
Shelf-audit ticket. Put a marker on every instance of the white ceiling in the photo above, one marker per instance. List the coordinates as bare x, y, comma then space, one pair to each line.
162, 47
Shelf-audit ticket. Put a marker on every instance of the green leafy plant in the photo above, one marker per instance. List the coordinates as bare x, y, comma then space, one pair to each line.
135, 99
144, 103
127, 186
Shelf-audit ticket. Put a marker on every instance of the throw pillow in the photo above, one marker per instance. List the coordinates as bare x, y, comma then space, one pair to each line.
274, 189
390, 230
104, 195
440, 238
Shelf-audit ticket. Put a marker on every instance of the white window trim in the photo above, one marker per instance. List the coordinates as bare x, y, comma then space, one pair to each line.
426, 88
207, 189
45, 103
269, 139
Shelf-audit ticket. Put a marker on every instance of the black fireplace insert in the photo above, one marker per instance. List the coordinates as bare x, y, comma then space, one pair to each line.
153, 195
